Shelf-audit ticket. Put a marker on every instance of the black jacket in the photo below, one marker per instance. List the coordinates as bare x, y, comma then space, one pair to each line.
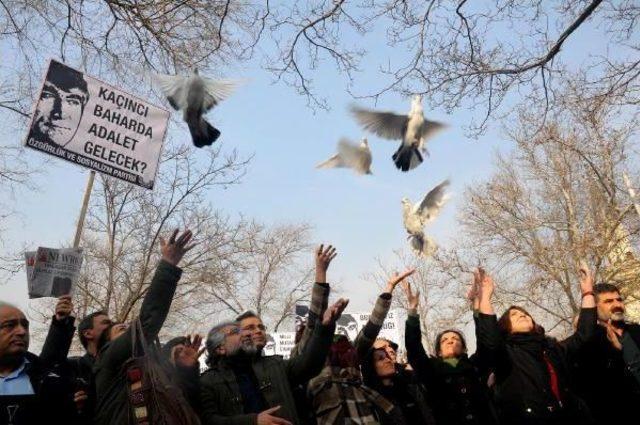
112, 406
52, 402
458, 394
221, 397
603, 379
523, 393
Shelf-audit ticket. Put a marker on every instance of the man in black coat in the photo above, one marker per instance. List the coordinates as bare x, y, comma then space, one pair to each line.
605, 376
242, 388
31, 392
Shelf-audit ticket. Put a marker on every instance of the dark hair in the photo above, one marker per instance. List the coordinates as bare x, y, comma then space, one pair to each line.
87, 323
105, 337
246, 315
66, 78
604, 287
173, 342
504, 323
439, 340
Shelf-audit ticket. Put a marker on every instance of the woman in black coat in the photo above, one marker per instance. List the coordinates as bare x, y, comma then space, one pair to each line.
455, 382
531, 370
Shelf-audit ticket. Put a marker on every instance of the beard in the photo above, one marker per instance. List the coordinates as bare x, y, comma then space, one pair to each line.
249, 348
617, 316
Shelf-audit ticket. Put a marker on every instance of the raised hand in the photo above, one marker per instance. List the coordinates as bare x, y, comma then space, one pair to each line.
324, 256
266, 418
397, 278
486, 292
586, 285
474, 290
333, 313
586, 278
413, 299
174, 249
613, 335
188, 355
64, 307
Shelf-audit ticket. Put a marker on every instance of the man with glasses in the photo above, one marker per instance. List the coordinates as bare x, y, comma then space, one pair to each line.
252, 323
242, 387
29, 391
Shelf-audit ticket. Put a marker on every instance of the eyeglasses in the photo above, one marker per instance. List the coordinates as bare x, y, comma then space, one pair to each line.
254, 328
232, 331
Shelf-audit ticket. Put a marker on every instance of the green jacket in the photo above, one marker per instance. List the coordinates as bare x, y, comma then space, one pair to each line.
221, 400
112, 406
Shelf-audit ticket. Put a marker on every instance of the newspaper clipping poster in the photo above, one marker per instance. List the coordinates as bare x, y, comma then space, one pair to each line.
52, 272
82, 120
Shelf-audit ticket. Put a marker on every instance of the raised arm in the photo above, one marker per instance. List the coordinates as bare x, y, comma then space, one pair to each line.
587, 321
56, 346
319, 295
368, 334
157, 301
490, 343
310, 361
416, 354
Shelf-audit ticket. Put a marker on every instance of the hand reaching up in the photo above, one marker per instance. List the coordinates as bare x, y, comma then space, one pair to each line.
397, 278
333, 313
174, 249
187, 356
64, 307
413, 299
324, 256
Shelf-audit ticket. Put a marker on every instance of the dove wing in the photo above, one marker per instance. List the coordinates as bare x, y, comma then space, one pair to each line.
334, 162
431, 128
385, 124
174, 88
217, 91
433, 202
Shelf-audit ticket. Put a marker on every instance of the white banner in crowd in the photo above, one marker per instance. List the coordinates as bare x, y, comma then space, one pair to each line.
82, 120
52, 272
350, 323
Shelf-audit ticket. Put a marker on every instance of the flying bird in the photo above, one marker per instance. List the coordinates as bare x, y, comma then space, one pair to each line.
415, 217
195, 96
350, 155
413, 129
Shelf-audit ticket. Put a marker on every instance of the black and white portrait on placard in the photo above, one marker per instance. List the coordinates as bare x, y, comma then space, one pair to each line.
61, 105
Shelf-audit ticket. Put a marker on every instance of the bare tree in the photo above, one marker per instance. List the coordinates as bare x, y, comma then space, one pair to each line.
124, 225
556, 200
480, 54
272, 273
441, 284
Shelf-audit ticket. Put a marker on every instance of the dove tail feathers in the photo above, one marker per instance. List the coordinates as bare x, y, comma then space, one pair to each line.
407, 157
203, 133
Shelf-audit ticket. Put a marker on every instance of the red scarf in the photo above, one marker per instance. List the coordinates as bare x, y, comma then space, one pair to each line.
553, 378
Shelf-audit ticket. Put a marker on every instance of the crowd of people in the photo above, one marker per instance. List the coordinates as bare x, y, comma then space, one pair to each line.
517, 375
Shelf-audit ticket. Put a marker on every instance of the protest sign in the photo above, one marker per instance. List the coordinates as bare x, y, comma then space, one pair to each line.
82, 120
52, 272
280, 344
350, 323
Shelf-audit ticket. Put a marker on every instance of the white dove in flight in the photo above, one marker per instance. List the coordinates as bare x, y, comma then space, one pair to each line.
195, 96
413, 129
415, 217
350, 155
